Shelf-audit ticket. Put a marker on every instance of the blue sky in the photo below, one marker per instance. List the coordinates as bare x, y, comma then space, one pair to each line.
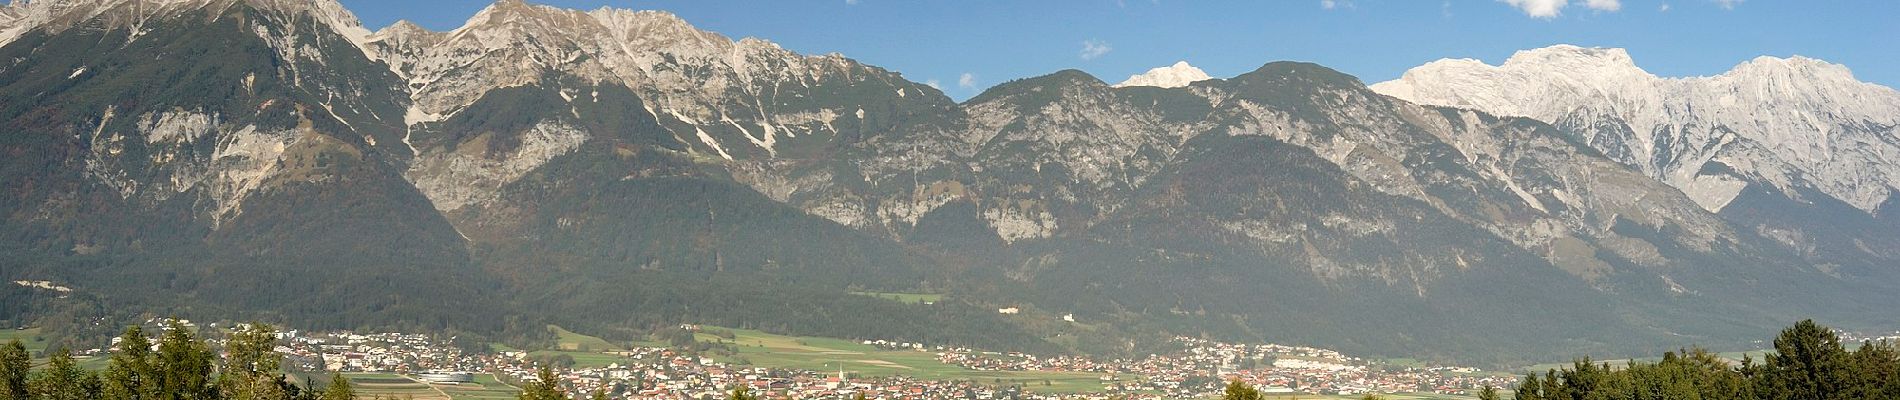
990, 42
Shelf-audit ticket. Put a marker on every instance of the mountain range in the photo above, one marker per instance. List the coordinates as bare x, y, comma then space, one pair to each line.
614, 171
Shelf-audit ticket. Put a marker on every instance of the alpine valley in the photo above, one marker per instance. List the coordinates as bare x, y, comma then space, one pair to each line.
612, 171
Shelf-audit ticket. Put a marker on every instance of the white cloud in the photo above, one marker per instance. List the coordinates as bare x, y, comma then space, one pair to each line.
1094, 48
1328, 4
1728, 4
1538, 8
1548, 9
967, 81
850, 2
934, 84
1664, 8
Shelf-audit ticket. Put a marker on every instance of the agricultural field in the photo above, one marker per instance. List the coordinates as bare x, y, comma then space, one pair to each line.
906, 298
825, 354
35, 345
570, 341
587, 351
486, 387
29, 337
583, 359
370, 385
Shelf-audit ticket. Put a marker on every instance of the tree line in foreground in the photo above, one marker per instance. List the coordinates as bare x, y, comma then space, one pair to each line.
1809, 363
178, 367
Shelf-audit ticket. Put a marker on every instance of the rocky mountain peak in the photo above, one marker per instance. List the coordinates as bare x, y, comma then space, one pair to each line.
1573, 57
1070, 77
24, 16
1293, 77
1040, 89
402, 28
1809, 73
1172, 76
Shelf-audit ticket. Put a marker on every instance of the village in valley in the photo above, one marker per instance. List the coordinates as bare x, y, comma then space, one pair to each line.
709, 362
421, 365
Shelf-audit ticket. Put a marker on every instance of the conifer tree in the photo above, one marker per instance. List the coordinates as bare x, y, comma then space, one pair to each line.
1488, 393
64, 380
250, 368
1877, 371
339, 388
1531, 389
185, 364
1809, 364
133, 373
742, 392
545, 387
15, 364
253, 351
1237, 390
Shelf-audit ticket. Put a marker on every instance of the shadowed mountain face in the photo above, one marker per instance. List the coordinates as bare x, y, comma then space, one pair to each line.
613, 171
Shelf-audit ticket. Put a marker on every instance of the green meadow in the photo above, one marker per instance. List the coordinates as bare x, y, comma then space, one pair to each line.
826, 354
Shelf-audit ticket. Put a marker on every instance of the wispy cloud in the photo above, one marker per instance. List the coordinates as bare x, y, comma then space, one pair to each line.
1604, 5
967, 81
1092, 49
850, 2
1663, 8
1727, 4
933, 84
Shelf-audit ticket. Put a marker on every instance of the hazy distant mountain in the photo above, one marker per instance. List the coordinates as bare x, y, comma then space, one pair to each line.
615, 170
1794, 149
